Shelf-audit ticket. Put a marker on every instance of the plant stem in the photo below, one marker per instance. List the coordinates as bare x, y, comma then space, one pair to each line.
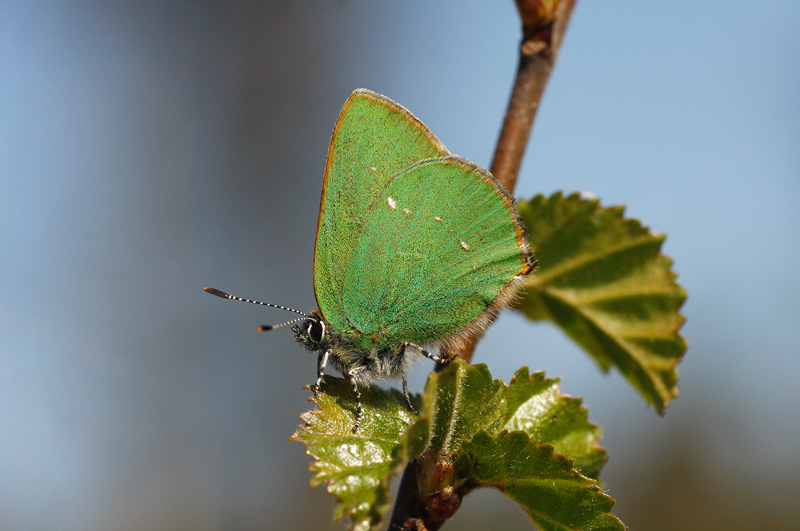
543, 25
409, 513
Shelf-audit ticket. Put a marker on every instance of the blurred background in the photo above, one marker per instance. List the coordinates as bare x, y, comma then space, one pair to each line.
149, 149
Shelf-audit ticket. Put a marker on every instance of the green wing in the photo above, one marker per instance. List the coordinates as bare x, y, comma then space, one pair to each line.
440, 243
374, 139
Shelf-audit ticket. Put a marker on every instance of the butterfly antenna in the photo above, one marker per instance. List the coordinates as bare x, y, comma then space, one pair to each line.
224, 295
265, 328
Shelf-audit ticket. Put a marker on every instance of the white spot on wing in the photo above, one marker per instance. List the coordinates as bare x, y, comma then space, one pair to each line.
465, 246
391, 202
437, 218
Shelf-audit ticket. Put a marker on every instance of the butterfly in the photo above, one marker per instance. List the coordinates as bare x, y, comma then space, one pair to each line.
417, 249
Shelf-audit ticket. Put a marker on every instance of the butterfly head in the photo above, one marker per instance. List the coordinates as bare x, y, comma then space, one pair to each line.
313, 333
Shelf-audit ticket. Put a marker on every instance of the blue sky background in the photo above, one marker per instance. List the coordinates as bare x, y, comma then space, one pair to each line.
149, 149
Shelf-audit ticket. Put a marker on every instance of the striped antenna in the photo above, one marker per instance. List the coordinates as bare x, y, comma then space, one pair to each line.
265, 328
224, 295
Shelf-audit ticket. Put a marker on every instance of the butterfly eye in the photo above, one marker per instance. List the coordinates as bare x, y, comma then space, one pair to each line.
316, 330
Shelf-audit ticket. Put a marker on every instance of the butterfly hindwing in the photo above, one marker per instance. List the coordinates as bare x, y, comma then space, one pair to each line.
440, 243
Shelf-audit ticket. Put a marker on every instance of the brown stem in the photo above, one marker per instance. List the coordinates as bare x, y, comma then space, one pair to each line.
409, 513
542, 34
543, 25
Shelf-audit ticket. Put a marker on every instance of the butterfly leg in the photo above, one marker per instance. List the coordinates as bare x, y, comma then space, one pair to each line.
430, 355
408, 397
350, 376
322, 362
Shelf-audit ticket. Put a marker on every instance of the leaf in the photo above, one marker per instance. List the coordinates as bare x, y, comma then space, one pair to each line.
358, 467
603, 280
466, 404
458, 405
555, 496
536, 406
462, 400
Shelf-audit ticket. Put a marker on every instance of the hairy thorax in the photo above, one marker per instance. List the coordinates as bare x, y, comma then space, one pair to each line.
365, 358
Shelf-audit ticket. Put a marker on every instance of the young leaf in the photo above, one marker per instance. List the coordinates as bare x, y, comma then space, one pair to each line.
358, 467
463, 400
468, 409
556, 497
603, 280
536, 406
459, 404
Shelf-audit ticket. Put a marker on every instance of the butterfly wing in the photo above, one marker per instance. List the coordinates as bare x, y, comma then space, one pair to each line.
374, 139
439, 245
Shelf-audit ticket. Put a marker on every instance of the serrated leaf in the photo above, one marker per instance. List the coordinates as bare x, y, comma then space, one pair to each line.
459, 403
536, 406
462, 400
466, 404
358, 467
603, 280
556, 497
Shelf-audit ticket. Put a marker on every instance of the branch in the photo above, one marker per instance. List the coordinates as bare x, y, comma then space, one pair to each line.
543, 25
409, 513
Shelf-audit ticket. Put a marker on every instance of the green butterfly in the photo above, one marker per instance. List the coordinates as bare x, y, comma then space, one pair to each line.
417, 249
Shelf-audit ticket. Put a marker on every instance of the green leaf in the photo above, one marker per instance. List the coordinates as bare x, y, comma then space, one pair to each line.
467, 407
459, 404
604, 281
556, 497
462, 400
536, 406
358, 467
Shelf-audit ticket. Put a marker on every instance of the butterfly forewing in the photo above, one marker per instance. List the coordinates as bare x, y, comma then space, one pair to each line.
374, 139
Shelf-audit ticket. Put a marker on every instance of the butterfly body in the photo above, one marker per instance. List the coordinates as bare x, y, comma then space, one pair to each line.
364, 359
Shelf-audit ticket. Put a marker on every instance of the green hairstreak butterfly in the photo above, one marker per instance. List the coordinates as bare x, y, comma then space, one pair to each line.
417, 249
